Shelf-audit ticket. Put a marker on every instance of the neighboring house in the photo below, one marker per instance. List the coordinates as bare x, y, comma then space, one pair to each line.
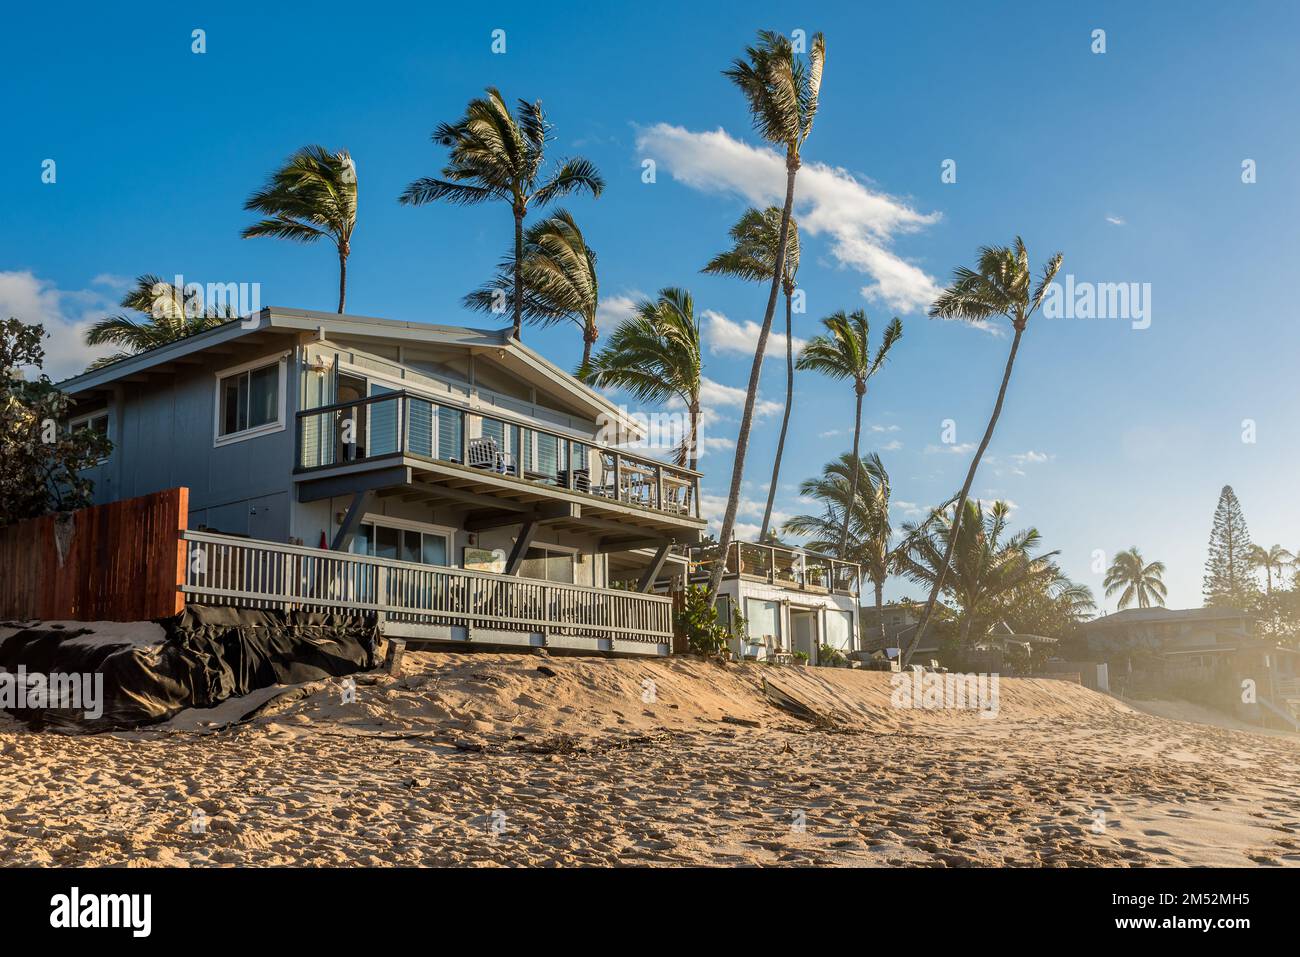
1166, 629
391, 448
987, 653
791, 599
1214, 647
901, 619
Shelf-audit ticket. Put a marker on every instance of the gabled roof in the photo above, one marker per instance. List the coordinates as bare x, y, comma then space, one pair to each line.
1162, 616
275, 319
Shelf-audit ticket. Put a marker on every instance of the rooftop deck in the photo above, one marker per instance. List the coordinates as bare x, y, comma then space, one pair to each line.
791, 568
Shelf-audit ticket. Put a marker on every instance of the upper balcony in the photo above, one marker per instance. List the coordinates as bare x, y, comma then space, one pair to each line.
438, 450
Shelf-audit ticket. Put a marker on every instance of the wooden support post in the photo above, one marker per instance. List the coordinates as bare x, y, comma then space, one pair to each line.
656, 566
343, 538
527, 532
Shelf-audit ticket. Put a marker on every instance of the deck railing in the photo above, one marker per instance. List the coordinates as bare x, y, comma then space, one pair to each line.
789, 567
399, 423
226, 570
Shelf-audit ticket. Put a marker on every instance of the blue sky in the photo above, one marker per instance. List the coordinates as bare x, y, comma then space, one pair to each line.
1129, 161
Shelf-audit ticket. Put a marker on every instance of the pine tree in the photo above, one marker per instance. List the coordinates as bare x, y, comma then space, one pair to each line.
1229, 575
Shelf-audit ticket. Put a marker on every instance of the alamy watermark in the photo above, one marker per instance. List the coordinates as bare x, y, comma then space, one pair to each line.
1099, 300
934, 691
32, 690
204, 299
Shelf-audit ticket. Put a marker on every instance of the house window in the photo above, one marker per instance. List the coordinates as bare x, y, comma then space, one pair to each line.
547, 564
401, 544
95, 422
764, 619
839, 629
250, 400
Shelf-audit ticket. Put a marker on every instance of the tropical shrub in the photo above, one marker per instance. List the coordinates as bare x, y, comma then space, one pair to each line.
698, 619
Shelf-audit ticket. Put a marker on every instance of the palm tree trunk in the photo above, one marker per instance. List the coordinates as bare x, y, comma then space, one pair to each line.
589, 336
880, 613
942, 571
853, 485
751, 396
692, 452
518, 330
785, 420
343, 278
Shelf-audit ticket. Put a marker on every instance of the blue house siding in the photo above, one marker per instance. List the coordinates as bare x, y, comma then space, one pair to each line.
163, 434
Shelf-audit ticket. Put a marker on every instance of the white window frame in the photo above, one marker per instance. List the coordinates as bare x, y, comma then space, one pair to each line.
106, 412
573, 553
445, 532
281, 421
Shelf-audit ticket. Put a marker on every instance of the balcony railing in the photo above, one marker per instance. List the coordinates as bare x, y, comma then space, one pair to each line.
398, 423
789, 567
222, 569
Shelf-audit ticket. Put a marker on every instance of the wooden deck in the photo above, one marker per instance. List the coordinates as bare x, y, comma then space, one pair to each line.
426, 602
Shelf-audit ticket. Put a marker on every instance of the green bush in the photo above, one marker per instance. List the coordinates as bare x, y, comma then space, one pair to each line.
826, 655
698, 619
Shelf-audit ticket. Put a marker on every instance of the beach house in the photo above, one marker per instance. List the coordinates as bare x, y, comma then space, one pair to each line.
780, 602
450, 481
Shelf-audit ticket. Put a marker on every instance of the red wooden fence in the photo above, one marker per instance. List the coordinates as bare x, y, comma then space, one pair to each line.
123, 561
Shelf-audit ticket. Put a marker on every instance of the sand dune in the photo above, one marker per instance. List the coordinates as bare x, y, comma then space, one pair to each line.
490, 759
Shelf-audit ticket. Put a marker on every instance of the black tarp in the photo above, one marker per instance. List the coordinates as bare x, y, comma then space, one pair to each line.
209, 654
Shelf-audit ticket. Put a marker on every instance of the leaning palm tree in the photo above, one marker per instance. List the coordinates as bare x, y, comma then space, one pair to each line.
870, 542
1272, 559
844, 352
655, 355
495, 155
312, 196
986, 563
782, 93
171, 313
1138, 580
1000, 285
755, 239
559, 276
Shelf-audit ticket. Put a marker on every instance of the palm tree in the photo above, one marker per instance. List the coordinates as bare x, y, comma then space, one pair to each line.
655, 355
1137, 579
559, 279
173, 313
495, 155
313, 195
753, 257
782, 93
1001, 285
1274, 558
871, 534
986, 564
844, 352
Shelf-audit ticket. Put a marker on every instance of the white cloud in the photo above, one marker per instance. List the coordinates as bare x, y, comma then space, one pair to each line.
956, 448
118, 284
1115, 220
860, 222
714, 395
891, 446
1030, 458
723, 335
612, 310
65, 314
830, 434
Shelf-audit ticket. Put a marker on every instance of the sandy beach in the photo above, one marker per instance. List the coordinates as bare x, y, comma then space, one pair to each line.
495, 759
